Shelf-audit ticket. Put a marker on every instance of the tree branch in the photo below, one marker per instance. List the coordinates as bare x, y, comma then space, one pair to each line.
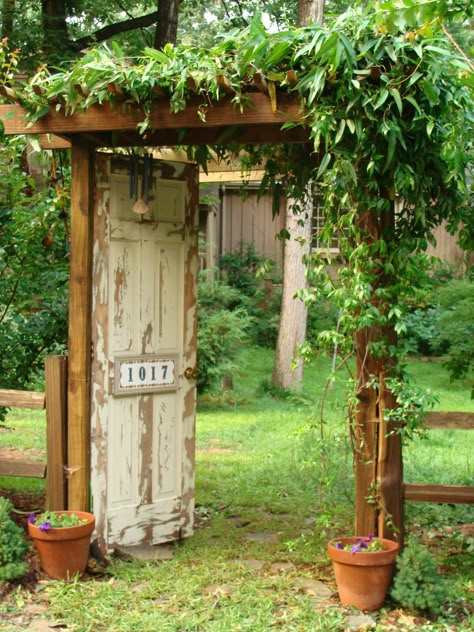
115, 29
456, 45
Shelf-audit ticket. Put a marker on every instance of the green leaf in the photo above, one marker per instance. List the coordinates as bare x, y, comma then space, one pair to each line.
157, 55
414, 78
431, 92
324, 165
411, 100
390, 150
277, 53
397, 98
340, 131
381, 99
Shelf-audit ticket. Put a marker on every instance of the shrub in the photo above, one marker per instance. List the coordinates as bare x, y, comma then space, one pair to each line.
13, 546
34, 268
442, 323
456, 325
418, 585
322, 315
242, 271
223, 325
240, 268
422, 331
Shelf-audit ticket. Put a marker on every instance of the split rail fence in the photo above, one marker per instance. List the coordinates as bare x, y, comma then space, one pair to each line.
455, 494
54, 400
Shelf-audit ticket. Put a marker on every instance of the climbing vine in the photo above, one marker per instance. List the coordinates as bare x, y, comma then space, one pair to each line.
386, 98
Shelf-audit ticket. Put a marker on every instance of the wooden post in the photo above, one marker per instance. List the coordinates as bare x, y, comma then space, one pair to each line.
378, 450
389, 473
56, 426
78, 468
365, 441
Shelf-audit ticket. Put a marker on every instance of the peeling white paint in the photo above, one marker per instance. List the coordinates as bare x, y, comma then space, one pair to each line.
144, 302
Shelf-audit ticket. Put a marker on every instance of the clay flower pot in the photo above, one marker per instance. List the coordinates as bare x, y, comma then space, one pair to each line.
362, 577
63, 551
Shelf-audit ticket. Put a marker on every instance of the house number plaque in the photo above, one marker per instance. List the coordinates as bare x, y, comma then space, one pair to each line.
145, 374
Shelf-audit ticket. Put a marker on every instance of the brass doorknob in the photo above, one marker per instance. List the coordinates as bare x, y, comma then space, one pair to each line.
190, 373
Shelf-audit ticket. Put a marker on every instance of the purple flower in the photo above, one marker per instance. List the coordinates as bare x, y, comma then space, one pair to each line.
45, 526
339, 545
355, 549
32, 518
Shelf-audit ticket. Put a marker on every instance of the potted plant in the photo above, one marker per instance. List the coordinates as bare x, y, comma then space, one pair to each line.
62, 539
363, 567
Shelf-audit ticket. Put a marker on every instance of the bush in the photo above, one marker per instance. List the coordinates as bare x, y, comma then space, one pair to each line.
223, 326
444, 324
422, 331
241, 270
34, 269
322, 315
456, 325
418, 585
13, 546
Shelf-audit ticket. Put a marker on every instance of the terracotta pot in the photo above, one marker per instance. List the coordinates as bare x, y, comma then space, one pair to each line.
363, 578
64, 551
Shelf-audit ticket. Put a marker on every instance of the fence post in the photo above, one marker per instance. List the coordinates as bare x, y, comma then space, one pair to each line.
56, 429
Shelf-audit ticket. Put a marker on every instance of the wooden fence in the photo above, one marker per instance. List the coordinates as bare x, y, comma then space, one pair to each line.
54, 400
456, 494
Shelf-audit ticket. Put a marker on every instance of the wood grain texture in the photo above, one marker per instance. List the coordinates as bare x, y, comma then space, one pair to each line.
78, 466
22, 399
450, 421
56, 425
28, 469
456, 494
224, 121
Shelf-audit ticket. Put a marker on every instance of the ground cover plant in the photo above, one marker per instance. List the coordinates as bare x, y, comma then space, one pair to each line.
274, 484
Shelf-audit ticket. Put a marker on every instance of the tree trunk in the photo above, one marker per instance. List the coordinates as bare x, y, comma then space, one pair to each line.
288, 367
8, 11
293, 314
55, 33
310, 11
167, 25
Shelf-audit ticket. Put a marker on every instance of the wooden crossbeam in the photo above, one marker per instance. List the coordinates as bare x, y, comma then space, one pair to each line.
22, 399
450, 421
455, 494
224, 121
9, 467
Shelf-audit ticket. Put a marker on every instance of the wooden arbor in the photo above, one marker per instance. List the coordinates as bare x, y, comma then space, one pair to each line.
102, 126
105, 127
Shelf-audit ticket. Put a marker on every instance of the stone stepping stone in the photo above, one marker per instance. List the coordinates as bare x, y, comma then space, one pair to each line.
282, 567
145, 553
314, 588
360, 621
253, 564
262, 537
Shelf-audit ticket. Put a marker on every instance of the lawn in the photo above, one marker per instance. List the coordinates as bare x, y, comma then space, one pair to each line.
274, 482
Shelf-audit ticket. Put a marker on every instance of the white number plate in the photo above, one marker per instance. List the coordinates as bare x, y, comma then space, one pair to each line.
143, 374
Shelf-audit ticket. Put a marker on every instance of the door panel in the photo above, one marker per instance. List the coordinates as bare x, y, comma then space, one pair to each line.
144, 303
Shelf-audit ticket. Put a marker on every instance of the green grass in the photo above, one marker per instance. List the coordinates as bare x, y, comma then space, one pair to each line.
24, 430
268, 465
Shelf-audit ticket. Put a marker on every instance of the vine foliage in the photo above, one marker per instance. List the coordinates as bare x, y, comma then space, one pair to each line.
386, 98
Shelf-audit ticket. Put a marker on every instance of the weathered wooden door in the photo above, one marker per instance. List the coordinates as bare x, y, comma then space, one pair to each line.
144, 355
